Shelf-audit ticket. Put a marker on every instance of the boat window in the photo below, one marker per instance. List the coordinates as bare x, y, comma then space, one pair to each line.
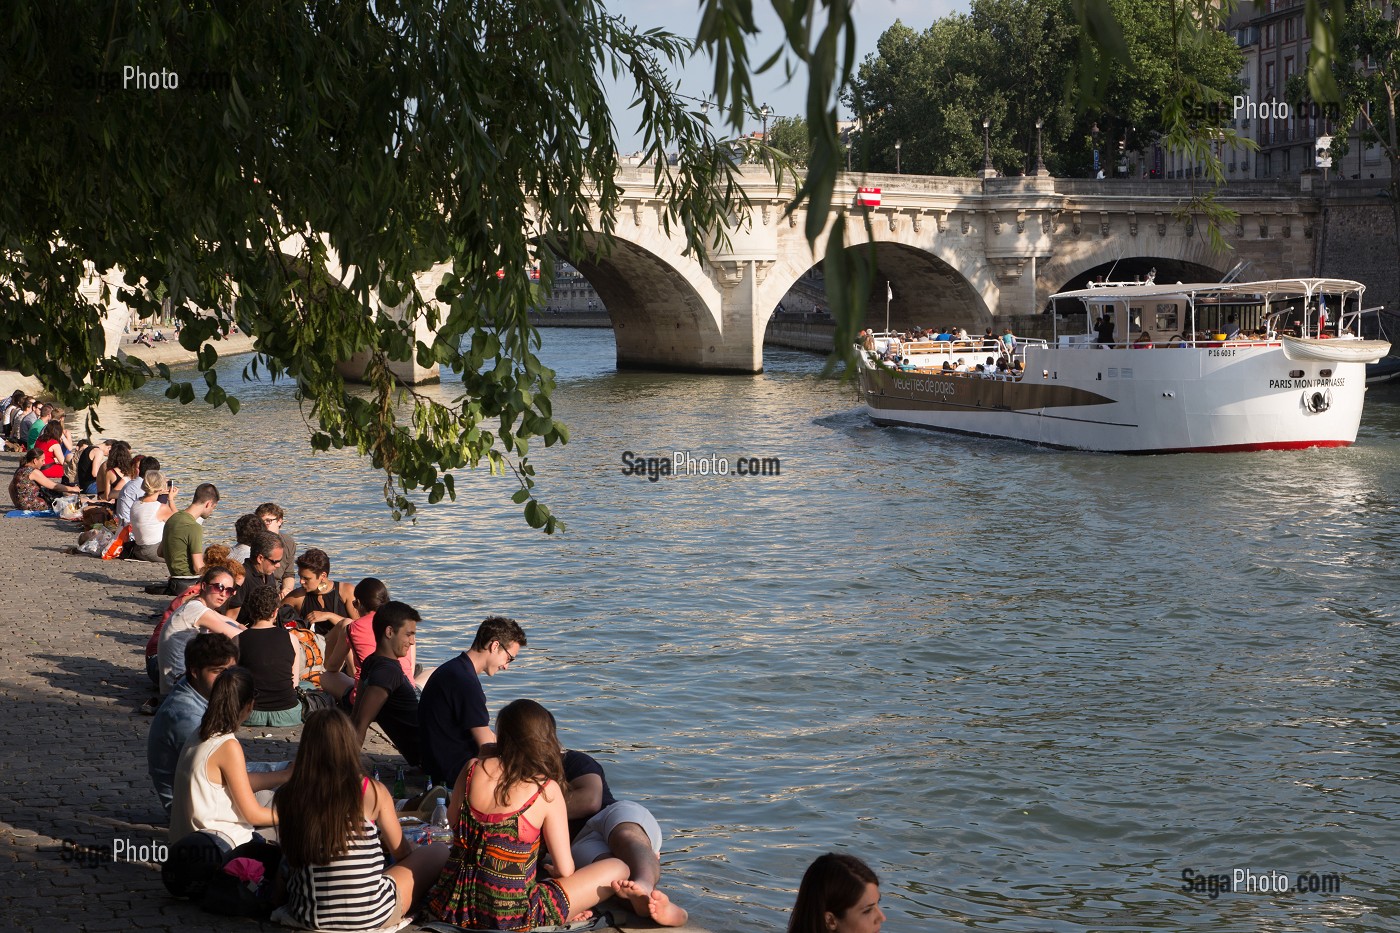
1167, 318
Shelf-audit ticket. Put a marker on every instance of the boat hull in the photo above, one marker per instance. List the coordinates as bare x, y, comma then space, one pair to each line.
1158, 400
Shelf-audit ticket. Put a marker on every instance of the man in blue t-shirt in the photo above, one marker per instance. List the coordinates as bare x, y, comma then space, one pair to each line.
452, 715
385, 695
600, 826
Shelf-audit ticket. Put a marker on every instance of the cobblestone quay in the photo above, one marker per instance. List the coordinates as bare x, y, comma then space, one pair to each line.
73, 785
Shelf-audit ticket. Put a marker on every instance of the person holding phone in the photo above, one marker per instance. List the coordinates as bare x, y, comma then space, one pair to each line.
148, 517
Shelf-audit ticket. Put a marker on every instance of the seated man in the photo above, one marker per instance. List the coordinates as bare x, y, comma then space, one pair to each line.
602, 826
453, 717
178, 718
385, 695
182, 540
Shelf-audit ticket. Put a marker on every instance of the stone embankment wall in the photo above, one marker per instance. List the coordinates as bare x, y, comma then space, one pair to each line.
1358, 242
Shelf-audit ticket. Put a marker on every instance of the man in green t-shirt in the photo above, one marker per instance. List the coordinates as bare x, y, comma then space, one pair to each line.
182, 543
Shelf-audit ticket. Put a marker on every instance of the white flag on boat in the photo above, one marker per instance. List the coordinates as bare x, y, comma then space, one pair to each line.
889, 292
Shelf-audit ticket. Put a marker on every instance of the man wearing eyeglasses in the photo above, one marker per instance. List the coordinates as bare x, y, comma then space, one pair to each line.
452, 716
272, 517
260, 569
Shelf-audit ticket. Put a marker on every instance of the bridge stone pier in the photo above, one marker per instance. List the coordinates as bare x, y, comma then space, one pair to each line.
955, 251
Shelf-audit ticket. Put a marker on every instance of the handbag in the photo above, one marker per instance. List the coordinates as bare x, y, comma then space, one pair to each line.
313, 700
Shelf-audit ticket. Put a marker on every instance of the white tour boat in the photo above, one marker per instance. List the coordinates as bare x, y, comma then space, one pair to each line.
1160, 369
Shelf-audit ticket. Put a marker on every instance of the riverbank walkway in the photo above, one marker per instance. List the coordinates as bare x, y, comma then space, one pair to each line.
73, 782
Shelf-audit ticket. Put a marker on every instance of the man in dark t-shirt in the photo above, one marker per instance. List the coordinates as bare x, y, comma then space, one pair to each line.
601, 826
385, 695
452, 715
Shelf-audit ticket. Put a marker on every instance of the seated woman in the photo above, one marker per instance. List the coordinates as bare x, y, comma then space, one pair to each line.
243, 530
90, 461
320, 600
273, 655
215, 557
131, 492
30, 489
349, 644
839, 894
50, 445
214, 791
198, 614
115, 471
502, 807
335, 825
148, 518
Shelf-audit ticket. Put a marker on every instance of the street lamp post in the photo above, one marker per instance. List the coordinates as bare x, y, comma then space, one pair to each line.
987, 170
898, 144
1039, 153
765, 111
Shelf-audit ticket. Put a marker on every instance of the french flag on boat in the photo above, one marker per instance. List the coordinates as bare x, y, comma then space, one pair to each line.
867, 197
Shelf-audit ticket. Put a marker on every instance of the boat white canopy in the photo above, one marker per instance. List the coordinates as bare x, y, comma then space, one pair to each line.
1273, 289
1150, 312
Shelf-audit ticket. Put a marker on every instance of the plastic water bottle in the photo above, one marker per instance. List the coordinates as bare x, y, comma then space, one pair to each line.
441, 830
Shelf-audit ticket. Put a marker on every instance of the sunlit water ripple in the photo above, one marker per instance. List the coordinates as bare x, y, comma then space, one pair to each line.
1029, 687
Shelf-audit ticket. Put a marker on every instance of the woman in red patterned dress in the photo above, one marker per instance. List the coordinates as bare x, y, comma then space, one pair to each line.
503, 806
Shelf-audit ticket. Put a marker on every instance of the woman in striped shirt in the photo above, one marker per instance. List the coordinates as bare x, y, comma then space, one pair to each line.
334, 826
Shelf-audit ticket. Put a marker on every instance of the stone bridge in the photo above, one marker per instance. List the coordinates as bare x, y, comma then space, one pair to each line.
955, 251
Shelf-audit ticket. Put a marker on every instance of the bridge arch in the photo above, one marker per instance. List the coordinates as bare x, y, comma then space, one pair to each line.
661, 307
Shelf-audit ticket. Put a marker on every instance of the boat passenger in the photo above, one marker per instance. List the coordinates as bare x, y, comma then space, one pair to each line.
1144, 341
1104, 334
947, 366
839, 894
1232, 327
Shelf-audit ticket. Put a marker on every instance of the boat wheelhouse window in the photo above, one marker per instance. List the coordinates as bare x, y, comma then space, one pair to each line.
1166, 317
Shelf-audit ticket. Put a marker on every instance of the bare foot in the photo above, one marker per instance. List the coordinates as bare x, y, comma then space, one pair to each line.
635, 895
653, 905
663, 912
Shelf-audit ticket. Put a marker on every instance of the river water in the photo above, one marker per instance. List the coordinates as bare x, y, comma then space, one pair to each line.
1031, 688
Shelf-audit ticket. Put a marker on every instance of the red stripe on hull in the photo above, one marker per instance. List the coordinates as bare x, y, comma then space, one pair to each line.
1221, 449
1244, 448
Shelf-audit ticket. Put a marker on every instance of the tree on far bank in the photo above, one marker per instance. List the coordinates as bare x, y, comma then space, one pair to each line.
789, 136
1015, 61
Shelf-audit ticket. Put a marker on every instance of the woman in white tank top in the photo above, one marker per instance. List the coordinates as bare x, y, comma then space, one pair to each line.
148, 517
214, 792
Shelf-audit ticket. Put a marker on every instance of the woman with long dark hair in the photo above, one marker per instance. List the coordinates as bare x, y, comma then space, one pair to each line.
839, 894
503, 806
30, 488
214, 792
114, 473
335, 825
